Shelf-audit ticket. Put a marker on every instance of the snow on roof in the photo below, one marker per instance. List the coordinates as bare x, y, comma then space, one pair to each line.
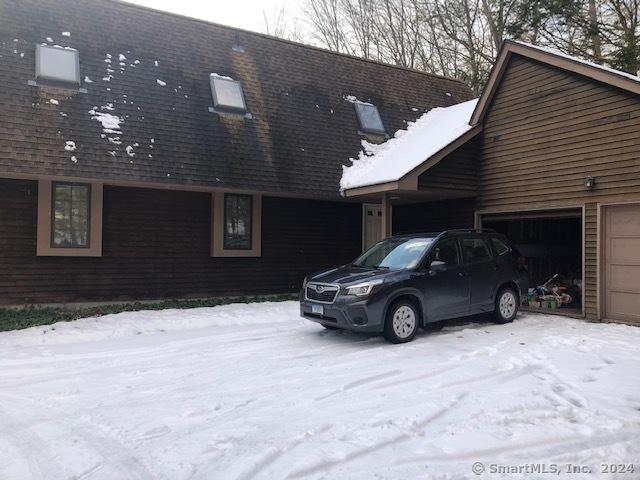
558, 53
409, 148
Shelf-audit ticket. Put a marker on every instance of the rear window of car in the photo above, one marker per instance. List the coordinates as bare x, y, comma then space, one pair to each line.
475, 250
500, 246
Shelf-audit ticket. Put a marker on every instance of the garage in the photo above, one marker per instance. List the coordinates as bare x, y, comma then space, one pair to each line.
551, 244
621, 261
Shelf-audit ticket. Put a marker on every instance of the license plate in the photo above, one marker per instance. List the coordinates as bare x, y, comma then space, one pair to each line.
317, 309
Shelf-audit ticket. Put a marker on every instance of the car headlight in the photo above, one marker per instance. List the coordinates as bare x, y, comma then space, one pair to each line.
364, 289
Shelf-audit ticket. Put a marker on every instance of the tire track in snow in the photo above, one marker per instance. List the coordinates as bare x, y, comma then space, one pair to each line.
325, 467
549, 448
359, 383
276, 454
112, 451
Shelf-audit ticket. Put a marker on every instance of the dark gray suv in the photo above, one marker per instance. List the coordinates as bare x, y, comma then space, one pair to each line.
409, 281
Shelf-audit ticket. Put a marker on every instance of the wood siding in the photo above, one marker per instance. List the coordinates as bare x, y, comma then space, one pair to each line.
433, 216
156, 245
456, 171
545, 132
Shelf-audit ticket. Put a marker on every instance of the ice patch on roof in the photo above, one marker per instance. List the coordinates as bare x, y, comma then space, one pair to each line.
69, 146
409, 148
354, 99
155, 62
53, 101
121, 58
87, 80
224, 77
66, 34
49, 39
161, 83
110, 123
130, 151
74, 159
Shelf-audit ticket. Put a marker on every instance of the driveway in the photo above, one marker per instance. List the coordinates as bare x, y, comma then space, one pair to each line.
255, 392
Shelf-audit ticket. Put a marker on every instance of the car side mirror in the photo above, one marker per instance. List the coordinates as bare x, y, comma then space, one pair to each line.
438, 266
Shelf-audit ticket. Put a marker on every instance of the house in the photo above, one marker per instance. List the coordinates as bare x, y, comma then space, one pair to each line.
548, 155
138, 165
144, 155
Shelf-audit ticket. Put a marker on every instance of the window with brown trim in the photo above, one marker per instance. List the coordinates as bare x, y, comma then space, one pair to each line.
238, 213
70, 215
69, 219
236, 224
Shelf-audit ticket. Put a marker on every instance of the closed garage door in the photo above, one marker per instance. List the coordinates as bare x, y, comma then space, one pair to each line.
622, 263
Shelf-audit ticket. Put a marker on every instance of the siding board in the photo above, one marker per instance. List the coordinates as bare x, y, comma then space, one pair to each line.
156, 245
545, 131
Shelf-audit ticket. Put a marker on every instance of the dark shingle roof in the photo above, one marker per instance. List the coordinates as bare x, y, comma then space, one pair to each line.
302, 131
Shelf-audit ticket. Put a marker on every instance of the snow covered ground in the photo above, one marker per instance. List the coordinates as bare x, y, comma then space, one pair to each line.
254, 392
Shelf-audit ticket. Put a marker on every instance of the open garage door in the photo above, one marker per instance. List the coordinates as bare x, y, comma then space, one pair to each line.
551, 243
622, 263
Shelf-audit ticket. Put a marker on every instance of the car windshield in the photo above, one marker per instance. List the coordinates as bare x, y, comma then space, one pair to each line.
394, 253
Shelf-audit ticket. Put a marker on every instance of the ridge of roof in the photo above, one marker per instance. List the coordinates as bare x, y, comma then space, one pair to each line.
558, 53
282, 40
553, 58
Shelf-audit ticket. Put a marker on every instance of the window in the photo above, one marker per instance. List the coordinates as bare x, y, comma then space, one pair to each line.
500, 246
369, 118
69, 219
475, 250
227, 94
237, 222
446, 252
57, 64
70, 215
395, 253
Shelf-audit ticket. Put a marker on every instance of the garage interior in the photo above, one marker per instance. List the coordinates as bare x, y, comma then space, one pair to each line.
551, 243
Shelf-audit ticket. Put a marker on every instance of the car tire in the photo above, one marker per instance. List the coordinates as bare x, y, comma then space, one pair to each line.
402, 322
506, 307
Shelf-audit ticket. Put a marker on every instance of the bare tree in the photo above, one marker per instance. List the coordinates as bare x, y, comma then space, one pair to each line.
460, 38
279, 25
325, 16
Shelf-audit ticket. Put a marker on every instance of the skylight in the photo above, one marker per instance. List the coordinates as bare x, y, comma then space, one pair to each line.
57, 64
369, 118
227, 94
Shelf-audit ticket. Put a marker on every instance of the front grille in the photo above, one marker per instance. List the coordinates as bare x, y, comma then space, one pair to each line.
321, 293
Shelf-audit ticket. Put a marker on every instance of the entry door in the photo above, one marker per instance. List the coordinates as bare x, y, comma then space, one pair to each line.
622, 263
372, 225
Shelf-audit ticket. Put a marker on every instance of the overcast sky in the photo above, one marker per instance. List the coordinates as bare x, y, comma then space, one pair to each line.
247, 14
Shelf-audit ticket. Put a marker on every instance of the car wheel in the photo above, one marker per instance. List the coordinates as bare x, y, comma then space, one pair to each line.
401, 323
506, 307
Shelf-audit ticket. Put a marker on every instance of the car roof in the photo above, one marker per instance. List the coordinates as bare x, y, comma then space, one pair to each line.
442, 233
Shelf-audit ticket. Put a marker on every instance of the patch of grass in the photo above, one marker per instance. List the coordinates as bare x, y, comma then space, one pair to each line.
16, 319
